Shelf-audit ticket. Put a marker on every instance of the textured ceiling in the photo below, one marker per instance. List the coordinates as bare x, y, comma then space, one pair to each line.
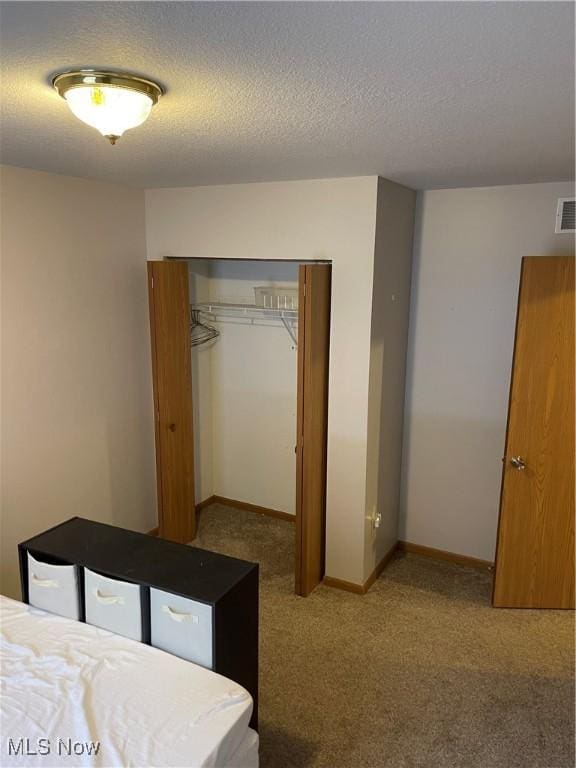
428, 94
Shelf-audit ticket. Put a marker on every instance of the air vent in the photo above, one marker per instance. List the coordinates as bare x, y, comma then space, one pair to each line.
566, 215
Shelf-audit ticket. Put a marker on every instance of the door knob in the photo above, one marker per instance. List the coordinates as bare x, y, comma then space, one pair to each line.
172, 427
518, 462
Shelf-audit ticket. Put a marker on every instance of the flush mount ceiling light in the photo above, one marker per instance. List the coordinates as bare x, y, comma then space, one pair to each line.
111, 102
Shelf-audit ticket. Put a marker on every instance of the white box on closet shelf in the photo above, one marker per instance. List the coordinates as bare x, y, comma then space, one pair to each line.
276, 297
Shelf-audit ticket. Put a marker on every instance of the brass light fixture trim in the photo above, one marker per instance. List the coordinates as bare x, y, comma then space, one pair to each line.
91, 77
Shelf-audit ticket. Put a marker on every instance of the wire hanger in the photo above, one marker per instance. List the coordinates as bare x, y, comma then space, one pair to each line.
200, 332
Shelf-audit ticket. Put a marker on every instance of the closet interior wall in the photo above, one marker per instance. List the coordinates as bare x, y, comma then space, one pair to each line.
244, 390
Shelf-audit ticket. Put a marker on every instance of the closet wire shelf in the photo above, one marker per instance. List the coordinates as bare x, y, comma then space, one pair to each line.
251, 312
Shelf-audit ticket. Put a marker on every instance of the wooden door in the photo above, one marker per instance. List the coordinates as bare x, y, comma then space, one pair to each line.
171, 361
535, 551
312, 424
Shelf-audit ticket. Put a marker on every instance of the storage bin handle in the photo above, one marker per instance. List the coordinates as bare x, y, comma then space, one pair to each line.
43, 582
108, 599
176, 615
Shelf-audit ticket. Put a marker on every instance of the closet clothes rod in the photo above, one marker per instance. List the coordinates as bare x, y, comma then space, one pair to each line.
288, 317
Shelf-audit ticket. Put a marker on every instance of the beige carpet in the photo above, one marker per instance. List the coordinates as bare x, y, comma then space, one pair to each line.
421, 671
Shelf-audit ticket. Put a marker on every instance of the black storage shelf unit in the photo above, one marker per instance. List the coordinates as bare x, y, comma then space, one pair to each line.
228, 585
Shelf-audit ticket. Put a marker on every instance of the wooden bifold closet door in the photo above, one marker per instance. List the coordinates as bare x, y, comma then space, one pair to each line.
535, 551
172, 377
312, 424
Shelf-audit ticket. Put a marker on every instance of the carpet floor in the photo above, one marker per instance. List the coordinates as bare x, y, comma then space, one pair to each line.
420, 671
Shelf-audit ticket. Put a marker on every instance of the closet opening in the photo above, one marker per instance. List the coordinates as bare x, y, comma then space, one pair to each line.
240, 367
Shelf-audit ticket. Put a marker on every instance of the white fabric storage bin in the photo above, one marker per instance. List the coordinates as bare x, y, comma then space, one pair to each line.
181, 626
53, 588
113, 604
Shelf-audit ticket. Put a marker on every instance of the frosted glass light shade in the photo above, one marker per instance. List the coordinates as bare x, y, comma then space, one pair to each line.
111, 102
109, 109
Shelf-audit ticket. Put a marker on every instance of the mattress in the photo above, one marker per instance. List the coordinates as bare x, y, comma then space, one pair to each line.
76, 695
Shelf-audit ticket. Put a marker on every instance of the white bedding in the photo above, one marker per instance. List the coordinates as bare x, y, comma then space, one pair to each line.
71, 684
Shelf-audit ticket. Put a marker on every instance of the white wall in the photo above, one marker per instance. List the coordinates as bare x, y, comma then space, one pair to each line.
468, 249
331, 219
77, 413
201, 364
388, 339
245, 425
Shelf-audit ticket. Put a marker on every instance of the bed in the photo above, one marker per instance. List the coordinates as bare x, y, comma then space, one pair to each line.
77, 695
